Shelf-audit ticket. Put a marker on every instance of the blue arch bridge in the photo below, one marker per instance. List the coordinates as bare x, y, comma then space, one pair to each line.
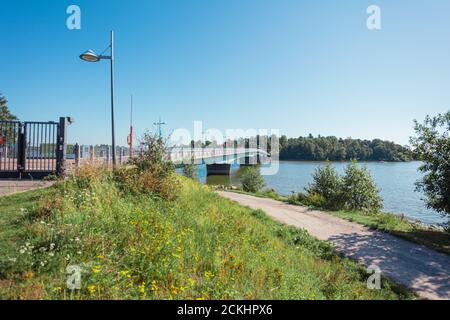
218, 160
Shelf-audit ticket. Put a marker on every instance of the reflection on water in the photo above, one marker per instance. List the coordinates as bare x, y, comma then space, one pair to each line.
395, 181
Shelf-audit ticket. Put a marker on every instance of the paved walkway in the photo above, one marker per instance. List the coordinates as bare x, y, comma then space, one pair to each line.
8, 187
425, 271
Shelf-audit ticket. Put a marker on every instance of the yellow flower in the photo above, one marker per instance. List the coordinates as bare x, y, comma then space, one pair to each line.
174, 289
92, 289
96, 269
191, 281
125, 273
154, 287
141, 288
209, 274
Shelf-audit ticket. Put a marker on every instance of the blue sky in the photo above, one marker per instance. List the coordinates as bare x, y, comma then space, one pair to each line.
298, 66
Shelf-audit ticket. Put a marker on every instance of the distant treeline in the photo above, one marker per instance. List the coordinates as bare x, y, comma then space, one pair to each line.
335, 149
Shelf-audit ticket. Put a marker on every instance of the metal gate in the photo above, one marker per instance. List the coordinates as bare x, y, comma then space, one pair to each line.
32, 150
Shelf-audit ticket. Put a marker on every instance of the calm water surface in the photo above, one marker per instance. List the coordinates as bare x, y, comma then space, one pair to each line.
395, 180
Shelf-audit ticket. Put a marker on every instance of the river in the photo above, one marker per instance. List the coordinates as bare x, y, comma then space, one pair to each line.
394, 179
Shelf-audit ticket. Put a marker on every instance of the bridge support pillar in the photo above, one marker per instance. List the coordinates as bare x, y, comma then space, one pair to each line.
218, 169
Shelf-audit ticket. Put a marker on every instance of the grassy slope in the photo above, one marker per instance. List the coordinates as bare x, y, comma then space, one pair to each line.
397, 225
199, 246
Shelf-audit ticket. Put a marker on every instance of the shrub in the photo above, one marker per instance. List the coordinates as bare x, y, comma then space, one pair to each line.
359, 190
190, 171
252, 181
153, 157
326, 188
150, 172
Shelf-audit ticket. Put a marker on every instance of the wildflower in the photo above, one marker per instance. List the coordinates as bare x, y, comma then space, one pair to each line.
92, 289
209, 274
96, 269
51, 254
191, 281
125, 273
173, 289
141, 288
154, 286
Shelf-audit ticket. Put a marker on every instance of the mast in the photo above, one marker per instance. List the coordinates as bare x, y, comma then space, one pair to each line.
130, 137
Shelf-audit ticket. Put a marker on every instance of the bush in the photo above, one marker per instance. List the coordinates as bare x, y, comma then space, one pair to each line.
326, 188
190, 171
252, 181
153, 157
150, 172
359, 190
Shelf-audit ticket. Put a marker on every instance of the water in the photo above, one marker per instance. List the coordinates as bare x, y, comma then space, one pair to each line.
395, 181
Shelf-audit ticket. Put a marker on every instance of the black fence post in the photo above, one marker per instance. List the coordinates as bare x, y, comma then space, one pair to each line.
21, 148
61, 145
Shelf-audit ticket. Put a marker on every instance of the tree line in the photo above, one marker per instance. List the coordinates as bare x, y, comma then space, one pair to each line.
331, 148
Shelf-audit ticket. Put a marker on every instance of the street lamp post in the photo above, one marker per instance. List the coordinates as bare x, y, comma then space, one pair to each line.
91, 56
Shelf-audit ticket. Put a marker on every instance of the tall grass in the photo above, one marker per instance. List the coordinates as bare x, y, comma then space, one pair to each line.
134, 244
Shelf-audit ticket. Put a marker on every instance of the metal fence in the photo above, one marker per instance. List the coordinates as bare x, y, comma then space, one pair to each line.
32, 149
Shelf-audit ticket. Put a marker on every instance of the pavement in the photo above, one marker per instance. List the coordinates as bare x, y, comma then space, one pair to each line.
8, 187
424, 271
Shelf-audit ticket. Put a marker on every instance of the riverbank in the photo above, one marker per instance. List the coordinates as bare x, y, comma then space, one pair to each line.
425, 271
396, 182
131, 245
432, 237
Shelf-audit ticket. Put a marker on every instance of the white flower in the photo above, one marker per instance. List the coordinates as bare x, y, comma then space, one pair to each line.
51, 254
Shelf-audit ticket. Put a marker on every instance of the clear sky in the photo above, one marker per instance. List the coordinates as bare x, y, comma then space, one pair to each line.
298, 66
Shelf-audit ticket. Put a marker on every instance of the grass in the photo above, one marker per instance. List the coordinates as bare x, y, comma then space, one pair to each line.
142, 246
397, 225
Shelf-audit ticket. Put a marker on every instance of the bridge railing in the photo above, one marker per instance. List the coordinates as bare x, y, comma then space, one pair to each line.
187, 155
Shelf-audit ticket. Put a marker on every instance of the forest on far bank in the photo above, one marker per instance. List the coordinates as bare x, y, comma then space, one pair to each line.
331, 148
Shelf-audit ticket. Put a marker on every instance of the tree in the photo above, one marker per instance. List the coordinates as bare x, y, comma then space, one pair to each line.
328, 184
432, 145
252, 181
5, 114
359, 190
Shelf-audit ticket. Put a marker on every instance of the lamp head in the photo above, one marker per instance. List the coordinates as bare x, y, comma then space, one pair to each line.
90, 56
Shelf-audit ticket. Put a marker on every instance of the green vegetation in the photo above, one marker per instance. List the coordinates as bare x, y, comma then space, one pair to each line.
190, 171
326, 190
162, 237
252, 180
354, 197
334, 149
432, 146
354, 191
5, 114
